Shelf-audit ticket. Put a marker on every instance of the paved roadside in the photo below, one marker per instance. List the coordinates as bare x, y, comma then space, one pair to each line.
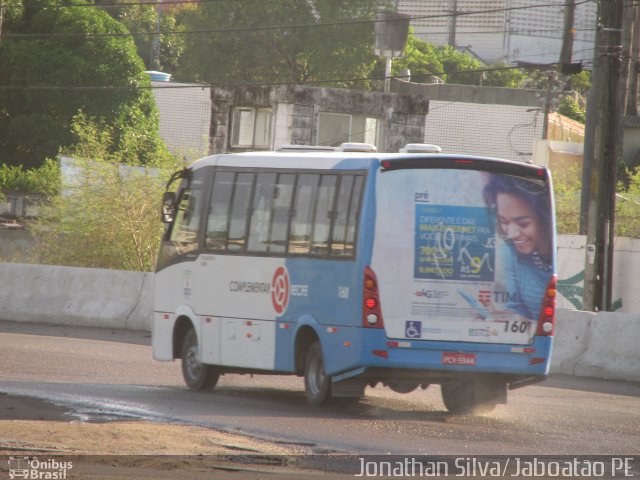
108, 449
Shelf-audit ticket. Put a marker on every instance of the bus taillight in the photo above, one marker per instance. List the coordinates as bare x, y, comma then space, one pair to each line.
548, 311
371, 312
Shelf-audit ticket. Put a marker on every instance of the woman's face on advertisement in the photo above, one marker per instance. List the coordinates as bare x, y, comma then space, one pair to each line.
520, 224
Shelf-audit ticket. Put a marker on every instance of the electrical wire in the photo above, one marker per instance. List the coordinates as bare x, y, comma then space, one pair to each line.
264, 27
196, 2
524, 31
248, 84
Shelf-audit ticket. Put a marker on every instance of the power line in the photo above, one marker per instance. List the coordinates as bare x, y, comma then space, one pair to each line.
258, 28
249, 29
197, 2
254, 84
493, 32
460, 13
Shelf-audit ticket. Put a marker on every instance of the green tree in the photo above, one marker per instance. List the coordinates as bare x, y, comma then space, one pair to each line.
581, 82
107, 215
420, 58
141, 18
50, 78
570, 107
538, 79
424, 60
312, 48
461, 67
503, 75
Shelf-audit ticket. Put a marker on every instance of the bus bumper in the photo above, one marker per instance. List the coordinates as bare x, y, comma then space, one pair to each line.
437, 362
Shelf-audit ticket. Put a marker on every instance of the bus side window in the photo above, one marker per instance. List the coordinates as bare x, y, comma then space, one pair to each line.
260, 223
282, 198
240, 205
218, 219
323, 215
341, 240
353, 216
302, 214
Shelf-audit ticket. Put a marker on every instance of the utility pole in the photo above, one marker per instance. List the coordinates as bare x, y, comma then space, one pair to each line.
154, 61
628, 23
632, 91
551, 77
566, 54
454, 21
601, 156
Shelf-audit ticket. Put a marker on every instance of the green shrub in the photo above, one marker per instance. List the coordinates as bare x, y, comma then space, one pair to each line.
43, 181
567, 190
107, 214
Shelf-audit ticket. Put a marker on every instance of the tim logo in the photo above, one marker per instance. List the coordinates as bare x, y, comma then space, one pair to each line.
421, 197
280, 288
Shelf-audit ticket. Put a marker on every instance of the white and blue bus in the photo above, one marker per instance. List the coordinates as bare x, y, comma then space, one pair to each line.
353, 269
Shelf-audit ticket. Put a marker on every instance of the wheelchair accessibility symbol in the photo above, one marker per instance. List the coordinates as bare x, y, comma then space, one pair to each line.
413, 329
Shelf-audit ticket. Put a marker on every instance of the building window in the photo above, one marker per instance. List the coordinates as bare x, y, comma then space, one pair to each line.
337, 128
251, 127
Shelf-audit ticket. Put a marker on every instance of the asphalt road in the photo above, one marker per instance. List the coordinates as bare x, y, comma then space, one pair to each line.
102, 373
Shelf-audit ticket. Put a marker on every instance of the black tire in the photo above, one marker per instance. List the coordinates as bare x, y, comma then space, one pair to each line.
402, 387
317, 384
197, 375
459, 398
344, 402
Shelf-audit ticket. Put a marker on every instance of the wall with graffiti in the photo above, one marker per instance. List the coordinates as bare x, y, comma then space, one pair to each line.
626, 281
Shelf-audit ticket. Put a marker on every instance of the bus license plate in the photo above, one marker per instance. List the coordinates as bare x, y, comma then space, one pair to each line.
457, 358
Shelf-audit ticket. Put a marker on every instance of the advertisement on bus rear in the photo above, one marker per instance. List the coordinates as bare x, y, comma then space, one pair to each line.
468, 258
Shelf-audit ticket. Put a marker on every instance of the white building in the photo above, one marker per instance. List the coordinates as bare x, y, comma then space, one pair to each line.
503, 30
185, 117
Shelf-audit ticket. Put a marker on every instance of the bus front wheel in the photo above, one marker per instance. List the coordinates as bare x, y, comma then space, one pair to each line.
316, 383
197, 375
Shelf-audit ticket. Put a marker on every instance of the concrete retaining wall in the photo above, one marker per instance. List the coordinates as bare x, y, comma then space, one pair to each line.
603, 345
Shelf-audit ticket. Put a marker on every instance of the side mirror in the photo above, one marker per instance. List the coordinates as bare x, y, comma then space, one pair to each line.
168, 207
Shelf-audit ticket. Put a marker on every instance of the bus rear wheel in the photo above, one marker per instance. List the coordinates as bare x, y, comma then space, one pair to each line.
402, 387
460, 398
317, 384
197, 375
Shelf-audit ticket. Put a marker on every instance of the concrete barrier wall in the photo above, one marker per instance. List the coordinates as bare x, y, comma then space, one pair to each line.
76, 296
571, 262
603, 345
599, 345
